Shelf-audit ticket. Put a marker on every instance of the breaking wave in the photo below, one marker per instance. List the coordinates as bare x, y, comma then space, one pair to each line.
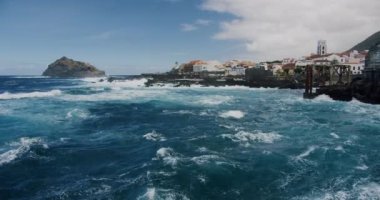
306, 153
77, 113
7, 95
247, 138
118, 84
360, 191
323, 98
203, 159
237, 114
214, 100
154, 136
168, 156
115, 95
21, 147
167, 194
334, 135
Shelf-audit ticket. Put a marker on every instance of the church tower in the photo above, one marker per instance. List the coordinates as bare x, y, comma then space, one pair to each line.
322, 47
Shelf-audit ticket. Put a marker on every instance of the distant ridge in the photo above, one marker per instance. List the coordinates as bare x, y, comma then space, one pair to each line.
367, 43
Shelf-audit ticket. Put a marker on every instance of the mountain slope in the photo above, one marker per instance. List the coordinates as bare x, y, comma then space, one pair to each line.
367, 43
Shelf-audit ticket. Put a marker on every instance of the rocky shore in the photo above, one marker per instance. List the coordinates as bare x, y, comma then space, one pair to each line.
180, 81
360, 89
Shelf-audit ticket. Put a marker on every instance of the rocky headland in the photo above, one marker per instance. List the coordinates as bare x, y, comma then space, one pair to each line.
69, 68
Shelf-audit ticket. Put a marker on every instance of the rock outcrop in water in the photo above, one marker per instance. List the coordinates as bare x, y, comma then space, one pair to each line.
66, 67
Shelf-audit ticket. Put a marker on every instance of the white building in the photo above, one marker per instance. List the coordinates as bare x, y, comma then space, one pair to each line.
288, 61
235, 71
356, 68
322, 62
354, 56
263, 65
304, 63
276, 68
209, 66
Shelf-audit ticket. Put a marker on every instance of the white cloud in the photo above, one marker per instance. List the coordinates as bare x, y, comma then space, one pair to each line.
188, 27
203, 22
280, 28
195, 26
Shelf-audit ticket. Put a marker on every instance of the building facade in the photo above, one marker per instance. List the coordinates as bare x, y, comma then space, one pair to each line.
322, 47
372, 64
235, 71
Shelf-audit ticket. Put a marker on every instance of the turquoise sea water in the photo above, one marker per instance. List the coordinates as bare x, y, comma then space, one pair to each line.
84, 139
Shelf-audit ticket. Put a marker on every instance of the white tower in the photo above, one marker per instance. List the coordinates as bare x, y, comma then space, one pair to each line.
322, 47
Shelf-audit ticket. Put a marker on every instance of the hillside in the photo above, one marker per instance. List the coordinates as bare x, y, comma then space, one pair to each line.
367, 43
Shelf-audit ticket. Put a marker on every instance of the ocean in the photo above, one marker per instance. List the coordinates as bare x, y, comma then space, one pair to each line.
85, 139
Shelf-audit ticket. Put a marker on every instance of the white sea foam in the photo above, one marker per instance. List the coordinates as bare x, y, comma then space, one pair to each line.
362, 167
7, 95
339, 148
265, 152
202, 149
232, 127
118, 84
360, 191
237, 114
202, 179
161, 194
306, 153
21, 147
340, 195
323, 98
77, 113
204, 113
334, 135
246, 138
203, 159
117, 95
154, 136
150, 194
214, 100
168, 156
369, 191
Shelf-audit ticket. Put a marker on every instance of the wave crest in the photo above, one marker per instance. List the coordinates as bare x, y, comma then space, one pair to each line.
118, 84
7, 95
168, 156
246, 138
22, 146
154, 136
237, 114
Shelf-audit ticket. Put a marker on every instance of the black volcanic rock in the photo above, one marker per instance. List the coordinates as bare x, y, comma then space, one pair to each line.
66, 67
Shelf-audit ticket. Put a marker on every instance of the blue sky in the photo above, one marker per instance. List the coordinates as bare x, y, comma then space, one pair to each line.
121, 37
135, 36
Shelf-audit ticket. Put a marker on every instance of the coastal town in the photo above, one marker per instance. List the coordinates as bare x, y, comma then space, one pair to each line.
352, 74
348, 75
285, 69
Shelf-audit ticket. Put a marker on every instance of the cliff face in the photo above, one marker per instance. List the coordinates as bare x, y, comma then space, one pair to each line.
65, 67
